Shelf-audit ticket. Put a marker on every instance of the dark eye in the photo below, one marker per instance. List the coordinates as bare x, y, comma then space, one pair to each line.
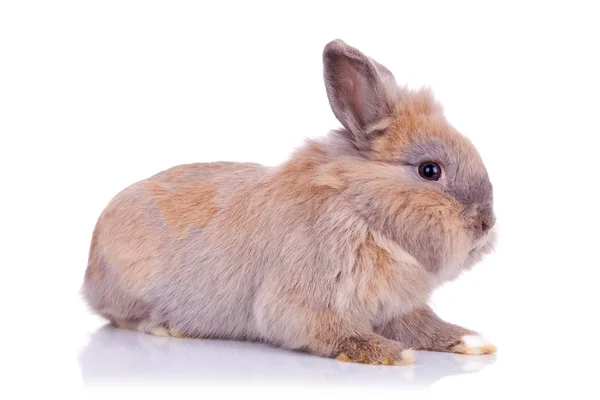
430, 171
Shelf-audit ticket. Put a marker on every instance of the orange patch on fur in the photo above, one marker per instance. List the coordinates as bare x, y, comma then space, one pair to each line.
297, 178
131, 244
373, 257
95, 271
420, 117
186, 207
374, 266
344, 358
365, 351
387, 146
331, 175
175, 173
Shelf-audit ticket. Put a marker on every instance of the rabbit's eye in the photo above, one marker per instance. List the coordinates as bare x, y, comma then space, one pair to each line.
430, 171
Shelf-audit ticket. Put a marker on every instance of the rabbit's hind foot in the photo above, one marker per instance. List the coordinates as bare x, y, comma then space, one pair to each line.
146, 327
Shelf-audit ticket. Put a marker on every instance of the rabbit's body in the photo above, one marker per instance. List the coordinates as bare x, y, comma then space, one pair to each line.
227, 240
336, 251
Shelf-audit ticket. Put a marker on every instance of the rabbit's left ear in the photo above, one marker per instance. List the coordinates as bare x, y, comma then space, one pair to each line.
358, 88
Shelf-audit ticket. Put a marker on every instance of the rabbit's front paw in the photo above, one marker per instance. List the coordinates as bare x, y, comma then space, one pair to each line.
474, 344
374, 351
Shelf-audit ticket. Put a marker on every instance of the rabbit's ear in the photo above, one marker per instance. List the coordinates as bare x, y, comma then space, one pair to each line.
358, 88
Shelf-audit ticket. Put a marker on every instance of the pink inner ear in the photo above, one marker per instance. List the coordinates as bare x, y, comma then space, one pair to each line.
353, 86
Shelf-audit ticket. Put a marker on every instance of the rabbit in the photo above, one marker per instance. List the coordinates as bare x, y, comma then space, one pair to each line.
334, 252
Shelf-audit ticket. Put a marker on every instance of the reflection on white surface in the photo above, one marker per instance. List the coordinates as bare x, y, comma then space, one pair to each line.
116, 356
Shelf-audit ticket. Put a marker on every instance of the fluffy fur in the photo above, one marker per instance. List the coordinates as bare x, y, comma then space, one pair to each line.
334, 252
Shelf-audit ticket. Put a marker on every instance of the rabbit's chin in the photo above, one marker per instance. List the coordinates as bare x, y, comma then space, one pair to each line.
485, 245
478, 250
481, 248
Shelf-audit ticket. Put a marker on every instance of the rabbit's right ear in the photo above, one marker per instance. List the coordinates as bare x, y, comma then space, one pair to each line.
358, 88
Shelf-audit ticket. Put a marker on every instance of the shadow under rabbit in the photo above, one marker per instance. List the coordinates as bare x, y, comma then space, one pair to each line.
117, 356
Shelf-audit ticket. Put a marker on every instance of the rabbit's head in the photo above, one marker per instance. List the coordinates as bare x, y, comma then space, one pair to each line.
409, 173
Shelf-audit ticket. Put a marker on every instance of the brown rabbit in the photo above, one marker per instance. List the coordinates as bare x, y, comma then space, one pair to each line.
334, 252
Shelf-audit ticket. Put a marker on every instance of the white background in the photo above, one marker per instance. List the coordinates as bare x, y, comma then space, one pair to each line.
97, 95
